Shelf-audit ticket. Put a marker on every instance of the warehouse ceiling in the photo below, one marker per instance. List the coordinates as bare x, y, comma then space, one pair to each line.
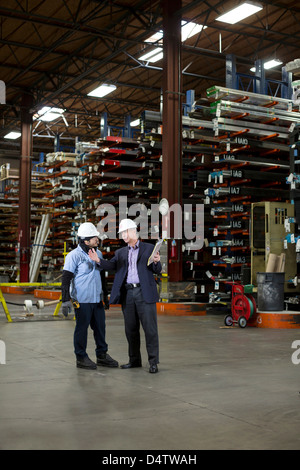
55, 52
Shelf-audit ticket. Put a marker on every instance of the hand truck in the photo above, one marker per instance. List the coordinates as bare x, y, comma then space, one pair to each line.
243, 305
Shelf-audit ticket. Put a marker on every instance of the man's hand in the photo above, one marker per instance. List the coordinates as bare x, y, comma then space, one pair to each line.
93, 255
66, 308
106, 302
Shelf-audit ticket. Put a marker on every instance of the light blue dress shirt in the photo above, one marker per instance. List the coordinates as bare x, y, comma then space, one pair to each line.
132, 275
86, 286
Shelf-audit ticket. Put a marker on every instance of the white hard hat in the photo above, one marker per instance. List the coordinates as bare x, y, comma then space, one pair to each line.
87, 229
125, 224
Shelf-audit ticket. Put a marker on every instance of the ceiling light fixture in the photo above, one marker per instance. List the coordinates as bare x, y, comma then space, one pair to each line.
48, 114
270, 64
188, 29
240, 13
135, 123
153, 56
12, 135
156, 37
102, 90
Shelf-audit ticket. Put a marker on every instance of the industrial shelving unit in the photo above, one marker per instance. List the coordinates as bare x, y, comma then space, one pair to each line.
198, 145
252, 165
9, 210
294, 174
293, 180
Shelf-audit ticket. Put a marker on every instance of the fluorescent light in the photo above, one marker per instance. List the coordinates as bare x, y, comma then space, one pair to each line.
102, 90
269, 64
12, 135
272, 63
156, 57
48, 114
155, 37
239, 13
190, 29
153, 56
135, 123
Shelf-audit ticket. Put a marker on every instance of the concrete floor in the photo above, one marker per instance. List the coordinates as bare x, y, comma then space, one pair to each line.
217, 388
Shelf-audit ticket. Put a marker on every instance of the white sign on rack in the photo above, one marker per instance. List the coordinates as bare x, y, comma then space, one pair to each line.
296, 92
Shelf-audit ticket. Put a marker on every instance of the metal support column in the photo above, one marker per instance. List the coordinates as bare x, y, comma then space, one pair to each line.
103, 125
56, 143
172, 124
260, 79
25, 188
190, 100
286, 87
127, 127
231, 77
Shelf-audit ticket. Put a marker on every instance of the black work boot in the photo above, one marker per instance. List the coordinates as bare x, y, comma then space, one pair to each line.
106, 361
85, 363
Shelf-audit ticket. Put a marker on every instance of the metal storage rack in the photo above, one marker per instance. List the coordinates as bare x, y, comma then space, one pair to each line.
251, 165
9, 216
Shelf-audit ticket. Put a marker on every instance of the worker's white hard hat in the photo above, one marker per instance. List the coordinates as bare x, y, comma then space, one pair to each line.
87, 229
126, 224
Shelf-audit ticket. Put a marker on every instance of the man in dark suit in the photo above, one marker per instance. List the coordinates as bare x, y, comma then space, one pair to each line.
135, 288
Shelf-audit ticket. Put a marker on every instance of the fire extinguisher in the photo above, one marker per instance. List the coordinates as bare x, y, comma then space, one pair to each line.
173, 253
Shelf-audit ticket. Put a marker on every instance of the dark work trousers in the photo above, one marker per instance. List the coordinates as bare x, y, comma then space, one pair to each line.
136, 311
92, 315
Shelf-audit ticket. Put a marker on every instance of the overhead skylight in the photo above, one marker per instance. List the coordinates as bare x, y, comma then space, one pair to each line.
48, 114
102, 90
240, 13
13, 135
270, 64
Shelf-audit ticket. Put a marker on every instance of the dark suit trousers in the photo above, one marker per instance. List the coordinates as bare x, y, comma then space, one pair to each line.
136, 311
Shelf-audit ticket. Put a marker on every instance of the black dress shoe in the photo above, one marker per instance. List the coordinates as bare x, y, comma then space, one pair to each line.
153, 369
130, 365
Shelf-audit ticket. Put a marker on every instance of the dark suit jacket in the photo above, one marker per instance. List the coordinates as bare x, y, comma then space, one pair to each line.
119, 263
